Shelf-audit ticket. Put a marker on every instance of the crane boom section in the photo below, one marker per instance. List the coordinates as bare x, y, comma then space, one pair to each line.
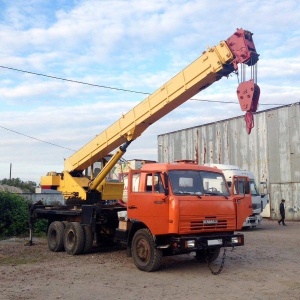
208, 68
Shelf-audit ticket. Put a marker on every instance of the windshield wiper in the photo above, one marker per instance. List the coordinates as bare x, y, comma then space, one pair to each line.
212, 194
183, 193
189, 193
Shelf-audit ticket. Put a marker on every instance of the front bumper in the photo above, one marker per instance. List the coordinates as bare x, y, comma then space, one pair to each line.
191, 243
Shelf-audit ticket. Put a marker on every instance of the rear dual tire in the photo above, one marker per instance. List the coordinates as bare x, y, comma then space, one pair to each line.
74, 238
88, 239
55, 236
70, 236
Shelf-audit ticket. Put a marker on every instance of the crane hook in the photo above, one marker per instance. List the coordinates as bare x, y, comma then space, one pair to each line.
248, 94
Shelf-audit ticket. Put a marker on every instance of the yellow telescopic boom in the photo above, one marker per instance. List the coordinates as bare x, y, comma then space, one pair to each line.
213, 64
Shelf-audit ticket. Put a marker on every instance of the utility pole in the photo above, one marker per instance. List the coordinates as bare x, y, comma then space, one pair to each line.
10, 171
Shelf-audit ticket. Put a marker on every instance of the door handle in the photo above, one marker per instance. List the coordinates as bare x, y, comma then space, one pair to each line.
132, 207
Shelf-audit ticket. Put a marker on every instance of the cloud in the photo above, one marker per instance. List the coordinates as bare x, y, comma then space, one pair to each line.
134, 45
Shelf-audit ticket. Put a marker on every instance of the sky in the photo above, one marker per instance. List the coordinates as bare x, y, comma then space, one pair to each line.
121, 50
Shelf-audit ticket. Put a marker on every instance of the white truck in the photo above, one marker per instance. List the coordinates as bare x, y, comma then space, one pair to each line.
259, 201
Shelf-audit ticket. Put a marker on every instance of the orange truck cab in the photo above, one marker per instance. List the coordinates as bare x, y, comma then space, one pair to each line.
177, 208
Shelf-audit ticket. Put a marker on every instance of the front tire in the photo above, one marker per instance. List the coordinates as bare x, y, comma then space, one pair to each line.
55, 236
145, 256
74, 238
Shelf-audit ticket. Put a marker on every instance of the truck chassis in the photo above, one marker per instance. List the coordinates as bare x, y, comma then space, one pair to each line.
75, 230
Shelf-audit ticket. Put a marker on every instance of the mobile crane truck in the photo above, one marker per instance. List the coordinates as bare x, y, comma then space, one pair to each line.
259, 201
193, 209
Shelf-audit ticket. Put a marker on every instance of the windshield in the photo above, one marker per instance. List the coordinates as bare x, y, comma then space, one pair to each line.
197, 183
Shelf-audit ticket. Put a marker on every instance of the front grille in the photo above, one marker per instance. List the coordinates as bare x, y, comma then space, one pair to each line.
197, 224
202, 225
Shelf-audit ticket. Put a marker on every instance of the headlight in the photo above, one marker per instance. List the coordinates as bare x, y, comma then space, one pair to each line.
190, 244
235, 240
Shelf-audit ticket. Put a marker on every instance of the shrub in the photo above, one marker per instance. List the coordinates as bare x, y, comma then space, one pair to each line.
40, 227
13, 215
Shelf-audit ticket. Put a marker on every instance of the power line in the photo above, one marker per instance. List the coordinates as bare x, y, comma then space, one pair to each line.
95, 85
75, 81
114, 88
42, 141
229, 102
39, 140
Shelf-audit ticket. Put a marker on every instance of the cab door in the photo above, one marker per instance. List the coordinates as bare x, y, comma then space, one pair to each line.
242, 196
147, 201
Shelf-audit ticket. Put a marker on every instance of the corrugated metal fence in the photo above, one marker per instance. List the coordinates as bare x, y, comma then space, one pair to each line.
271, 151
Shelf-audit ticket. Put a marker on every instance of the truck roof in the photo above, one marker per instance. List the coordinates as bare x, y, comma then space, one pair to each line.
178, 166
231, 170
223, 166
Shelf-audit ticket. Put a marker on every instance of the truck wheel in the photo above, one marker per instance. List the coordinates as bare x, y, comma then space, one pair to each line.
65, 223
89, 238
145, 256
209, 255
55, 236
74, 238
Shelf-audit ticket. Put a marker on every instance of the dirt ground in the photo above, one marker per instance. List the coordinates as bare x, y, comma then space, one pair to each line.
267, 267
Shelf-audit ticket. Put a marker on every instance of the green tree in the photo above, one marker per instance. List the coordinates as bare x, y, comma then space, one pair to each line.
28, 186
